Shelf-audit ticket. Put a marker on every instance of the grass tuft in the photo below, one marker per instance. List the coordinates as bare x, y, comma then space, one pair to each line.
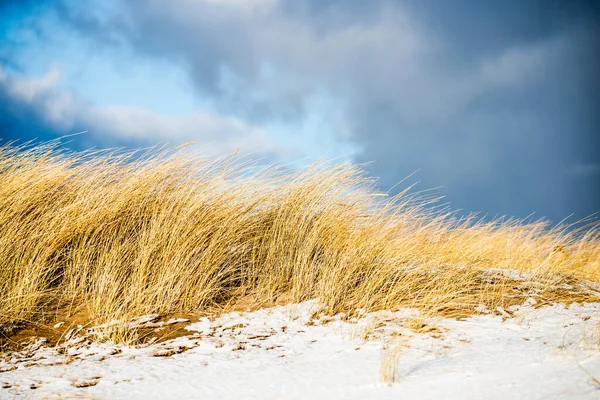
121, 235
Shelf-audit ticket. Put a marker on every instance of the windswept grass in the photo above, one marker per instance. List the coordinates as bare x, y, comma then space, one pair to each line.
123, 235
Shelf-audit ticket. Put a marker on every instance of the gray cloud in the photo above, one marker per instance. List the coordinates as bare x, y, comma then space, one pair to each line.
493, 101
584, 170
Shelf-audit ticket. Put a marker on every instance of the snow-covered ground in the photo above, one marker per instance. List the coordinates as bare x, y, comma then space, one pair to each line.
283, 353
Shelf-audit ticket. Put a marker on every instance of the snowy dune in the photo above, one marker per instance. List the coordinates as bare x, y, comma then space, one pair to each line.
288, 353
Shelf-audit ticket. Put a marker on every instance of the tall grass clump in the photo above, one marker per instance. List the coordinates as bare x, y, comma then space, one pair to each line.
125, 234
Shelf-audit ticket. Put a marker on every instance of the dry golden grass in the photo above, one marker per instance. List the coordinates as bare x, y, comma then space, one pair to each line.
122, 235
390, 362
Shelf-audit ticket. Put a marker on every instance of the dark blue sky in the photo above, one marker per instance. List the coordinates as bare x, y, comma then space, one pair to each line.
494, 102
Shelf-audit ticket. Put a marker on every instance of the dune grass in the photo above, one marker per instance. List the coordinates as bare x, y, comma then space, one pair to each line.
126, 234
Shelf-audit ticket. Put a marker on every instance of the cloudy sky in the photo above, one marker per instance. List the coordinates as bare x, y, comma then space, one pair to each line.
496, 103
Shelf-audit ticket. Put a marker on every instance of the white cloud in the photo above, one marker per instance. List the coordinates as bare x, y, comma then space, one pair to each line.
28, 89
237, 3
65, 111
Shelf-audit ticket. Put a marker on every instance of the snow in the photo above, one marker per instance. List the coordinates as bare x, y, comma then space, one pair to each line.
286, 353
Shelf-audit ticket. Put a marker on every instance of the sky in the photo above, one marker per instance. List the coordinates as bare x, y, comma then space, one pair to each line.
493, 104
